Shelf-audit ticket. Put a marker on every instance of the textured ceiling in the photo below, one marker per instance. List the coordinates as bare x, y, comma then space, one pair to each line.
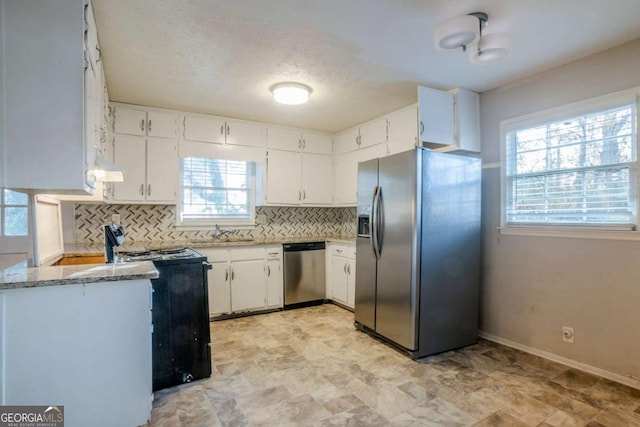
363, 58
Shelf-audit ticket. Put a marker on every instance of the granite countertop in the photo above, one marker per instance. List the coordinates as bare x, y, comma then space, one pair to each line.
95, 249
32, 277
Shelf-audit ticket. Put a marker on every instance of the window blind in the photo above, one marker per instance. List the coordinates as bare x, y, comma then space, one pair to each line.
580, 170
215, 189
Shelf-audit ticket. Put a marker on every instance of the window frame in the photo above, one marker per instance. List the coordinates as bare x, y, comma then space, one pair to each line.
3, 208
594, 231
211, 223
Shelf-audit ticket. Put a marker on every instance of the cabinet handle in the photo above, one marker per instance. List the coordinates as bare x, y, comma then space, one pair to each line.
273, 253
184, 127
142, 189
221, 129
349, 269
299, 195
228, 129
226, 276
339, 251
149, 127
299, 144
99, 53
149, 190
233, 274
304, 195
304, 144
344, 268
142, 125
421, 127
268, 271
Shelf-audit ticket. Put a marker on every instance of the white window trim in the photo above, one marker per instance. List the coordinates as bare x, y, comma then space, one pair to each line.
210, 224
558, 113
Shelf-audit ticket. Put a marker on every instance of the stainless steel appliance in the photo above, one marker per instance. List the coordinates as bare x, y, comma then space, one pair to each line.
304, 274
181, 349
418, 250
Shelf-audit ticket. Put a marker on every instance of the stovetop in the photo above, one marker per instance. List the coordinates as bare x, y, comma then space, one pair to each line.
159, 255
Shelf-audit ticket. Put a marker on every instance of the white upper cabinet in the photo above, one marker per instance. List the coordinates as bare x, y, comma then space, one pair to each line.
467, 120
317, 179
50, 63
435, 108
246, 133
139, 122
347, 141
449, 121
402, 130
203, 129
216, 130
283, 178
288, 139
373, 132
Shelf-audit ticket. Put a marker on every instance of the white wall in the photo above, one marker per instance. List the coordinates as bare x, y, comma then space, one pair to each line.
2, 164
532, 286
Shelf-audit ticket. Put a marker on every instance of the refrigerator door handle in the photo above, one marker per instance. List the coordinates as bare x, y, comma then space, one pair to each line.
380, 222
374, 223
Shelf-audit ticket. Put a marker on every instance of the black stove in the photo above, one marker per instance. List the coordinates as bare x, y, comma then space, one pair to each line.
181, 339
161, 256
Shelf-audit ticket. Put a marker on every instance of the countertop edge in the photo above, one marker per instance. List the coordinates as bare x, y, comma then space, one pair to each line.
35, 277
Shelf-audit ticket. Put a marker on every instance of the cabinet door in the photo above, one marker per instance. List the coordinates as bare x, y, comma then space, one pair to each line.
283, 178
275, 284
316, 143
351, 283
435, 108
467, 120
347, 141
373, 133
284, 139
248, 288
247, 134
316, 179
162, 170
203, 129
129, 121
130, 153
219, 278
402, 130
346, 178
373, 152
162, 124
339, 279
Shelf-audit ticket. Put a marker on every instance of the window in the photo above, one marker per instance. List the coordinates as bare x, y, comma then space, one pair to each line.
216, 191
578, 168
14, 212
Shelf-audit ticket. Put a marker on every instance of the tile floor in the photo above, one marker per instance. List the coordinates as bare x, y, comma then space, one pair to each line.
311, 367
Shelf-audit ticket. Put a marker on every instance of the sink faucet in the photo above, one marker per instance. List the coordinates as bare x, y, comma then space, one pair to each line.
220, 232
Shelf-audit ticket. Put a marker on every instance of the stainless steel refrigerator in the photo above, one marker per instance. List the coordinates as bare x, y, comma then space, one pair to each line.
418, 250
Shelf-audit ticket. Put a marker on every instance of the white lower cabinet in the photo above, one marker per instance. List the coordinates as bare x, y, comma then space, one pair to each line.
244, 279
341, 261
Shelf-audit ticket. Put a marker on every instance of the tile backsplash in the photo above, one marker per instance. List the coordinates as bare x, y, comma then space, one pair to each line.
157, 222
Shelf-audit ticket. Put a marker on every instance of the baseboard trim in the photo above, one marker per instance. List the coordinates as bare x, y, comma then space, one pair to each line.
628, 381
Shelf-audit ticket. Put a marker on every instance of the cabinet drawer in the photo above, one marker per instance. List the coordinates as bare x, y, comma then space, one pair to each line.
339, 250
274, 252
247, 253
215, 255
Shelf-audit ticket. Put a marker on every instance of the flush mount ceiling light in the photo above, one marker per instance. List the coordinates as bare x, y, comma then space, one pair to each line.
290, 93
463, 31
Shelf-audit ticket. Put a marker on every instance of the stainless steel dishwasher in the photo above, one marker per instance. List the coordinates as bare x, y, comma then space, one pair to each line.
304, 274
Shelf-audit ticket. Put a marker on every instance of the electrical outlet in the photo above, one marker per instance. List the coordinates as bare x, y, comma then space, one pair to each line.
115, 218
567, 334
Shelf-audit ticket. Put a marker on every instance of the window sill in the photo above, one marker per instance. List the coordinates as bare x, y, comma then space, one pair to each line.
571, 233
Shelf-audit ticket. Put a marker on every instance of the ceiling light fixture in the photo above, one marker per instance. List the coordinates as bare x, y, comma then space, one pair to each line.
290, 93
463, 31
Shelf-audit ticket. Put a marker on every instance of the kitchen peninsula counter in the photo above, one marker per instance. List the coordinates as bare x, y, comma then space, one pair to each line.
18, 277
